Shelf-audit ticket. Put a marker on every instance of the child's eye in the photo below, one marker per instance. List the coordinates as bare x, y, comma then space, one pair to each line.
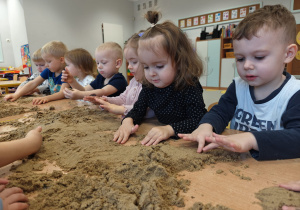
160, 66
240, 59
259, 57
146, 67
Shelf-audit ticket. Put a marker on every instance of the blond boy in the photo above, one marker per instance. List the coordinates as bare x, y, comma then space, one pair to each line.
53, 54
109, 82
264, 101
41, 66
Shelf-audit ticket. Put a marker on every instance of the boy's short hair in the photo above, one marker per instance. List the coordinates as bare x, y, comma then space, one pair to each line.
55, 48
115, 47
272, 17
37, 56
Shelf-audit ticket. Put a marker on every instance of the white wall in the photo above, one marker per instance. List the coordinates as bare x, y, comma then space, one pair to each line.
77, 23
5, 34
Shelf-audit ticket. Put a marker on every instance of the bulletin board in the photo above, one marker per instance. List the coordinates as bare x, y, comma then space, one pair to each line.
218, 17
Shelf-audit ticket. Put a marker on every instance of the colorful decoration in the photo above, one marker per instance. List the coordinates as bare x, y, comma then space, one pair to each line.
26, 61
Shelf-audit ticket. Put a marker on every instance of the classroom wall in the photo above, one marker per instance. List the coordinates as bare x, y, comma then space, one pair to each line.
174, 10
5, 33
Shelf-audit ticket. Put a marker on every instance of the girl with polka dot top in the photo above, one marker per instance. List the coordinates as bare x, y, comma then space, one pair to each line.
172, 89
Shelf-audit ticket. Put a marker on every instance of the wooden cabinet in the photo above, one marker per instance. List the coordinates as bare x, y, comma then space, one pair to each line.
209, 52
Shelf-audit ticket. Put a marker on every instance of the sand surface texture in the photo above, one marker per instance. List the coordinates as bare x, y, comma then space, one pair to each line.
80, 167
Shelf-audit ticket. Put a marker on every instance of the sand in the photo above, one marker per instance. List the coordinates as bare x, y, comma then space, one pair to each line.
80, 167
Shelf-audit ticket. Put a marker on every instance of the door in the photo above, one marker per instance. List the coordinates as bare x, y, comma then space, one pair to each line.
213, 63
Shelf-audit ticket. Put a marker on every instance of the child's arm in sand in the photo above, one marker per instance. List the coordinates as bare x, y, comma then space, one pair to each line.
124, 131
77, 94
53, 97
18, 149
294, 186
30, 86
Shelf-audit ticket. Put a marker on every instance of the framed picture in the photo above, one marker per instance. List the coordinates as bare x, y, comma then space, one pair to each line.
189, 22
226, 15
243, 12
252, 9
210, 18
217, 17
196, 21
234, 14
182, 23
144, 6
138, 7
203, 20
150, 4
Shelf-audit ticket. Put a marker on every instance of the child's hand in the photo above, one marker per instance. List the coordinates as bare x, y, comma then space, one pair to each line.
199, 135
67, 76
242, 142
40, 100
158, 134
13, 199
3, 182
72, 94
127, 128
11, 97
92, 99
294, 185
112, 108
34, 138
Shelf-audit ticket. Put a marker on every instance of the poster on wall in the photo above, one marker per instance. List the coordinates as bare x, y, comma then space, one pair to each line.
26, 61
196, 21
189, 22
210, 18
234, 13
243, 12
226, 15
252, 9
202, 20
182, 24
217, 17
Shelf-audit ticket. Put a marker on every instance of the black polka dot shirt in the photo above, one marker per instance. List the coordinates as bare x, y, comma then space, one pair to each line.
182, 110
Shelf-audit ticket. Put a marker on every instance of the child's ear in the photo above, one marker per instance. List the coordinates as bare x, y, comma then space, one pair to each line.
291, 51
119, 63
62, 59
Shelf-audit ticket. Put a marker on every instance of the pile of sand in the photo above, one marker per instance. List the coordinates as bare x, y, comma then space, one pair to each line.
96, 173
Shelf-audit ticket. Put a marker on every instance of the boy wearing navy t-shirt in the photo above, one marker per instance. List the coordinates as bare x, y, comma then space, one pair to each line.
109, 82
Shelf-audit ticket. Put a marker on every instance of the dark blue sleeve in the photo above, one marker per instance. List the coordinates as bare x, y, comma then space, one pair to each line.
45, 74
222, 113
281, 144
119, 82
98, 82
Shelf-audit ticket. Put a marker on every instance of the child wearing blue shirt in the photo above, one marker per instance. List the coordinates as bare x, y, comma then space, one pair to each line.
53, 54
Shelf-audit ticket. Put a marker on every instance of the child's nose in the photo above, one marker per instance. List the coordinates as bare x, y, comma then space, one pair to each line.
248, 65
152, 72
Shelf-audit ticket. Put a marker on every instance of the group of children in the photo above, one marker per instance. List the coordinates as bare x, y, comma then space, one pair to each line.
263, 102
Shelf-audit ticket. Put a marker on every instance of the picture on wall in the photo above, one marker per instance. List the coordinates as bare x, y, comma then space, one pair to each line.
243, 12
25, 55
203, 20
182, 24
252, 9
226, 15
196, 21
217, 17
210, 18
234, 13
144, 5
189, 22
